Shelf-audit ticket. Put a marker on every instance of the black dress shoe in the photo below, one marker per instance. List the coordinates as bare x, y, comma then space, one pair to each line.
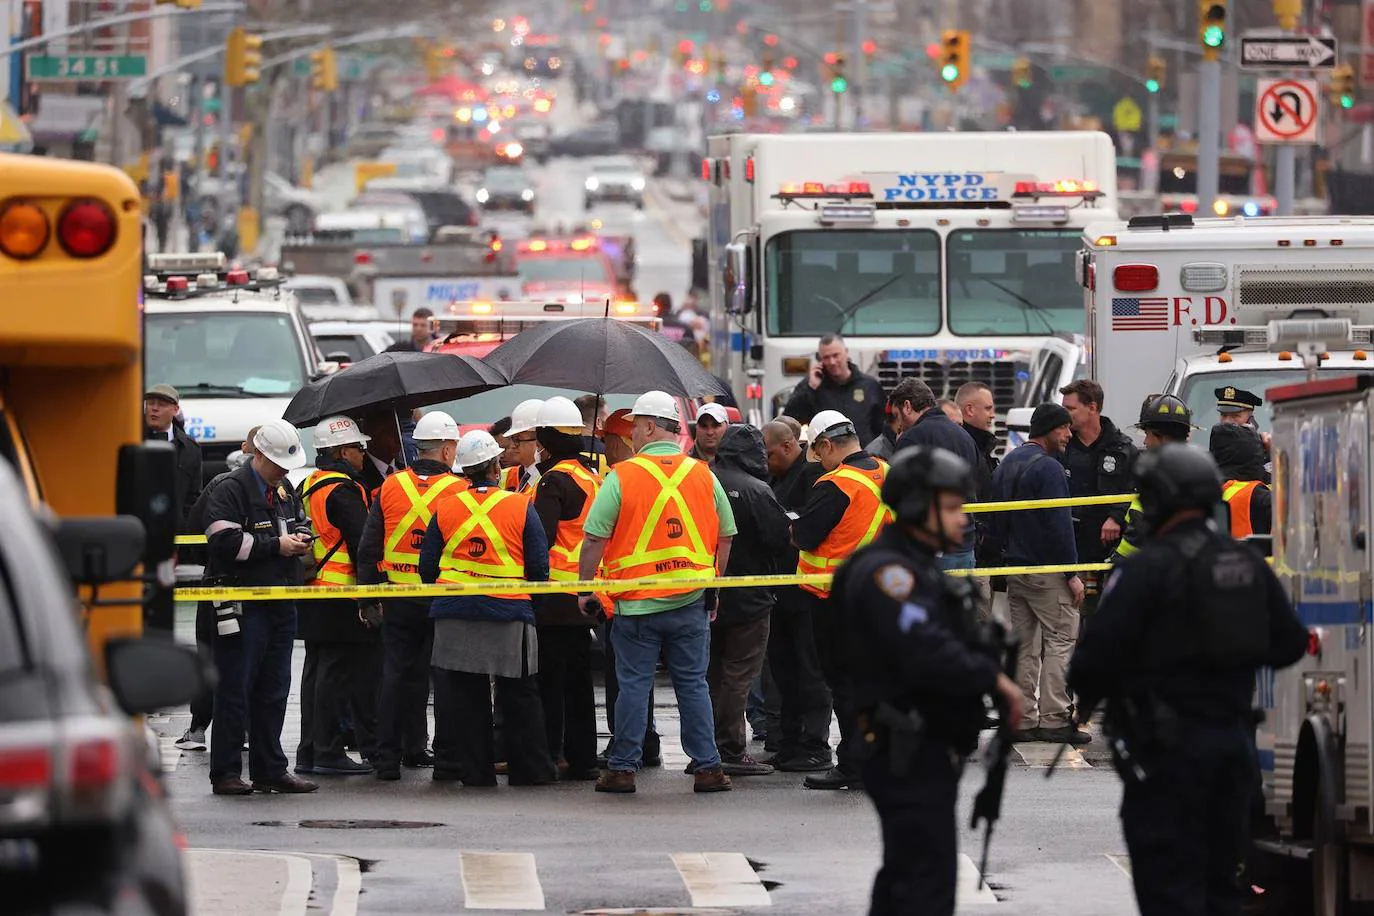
833, 778
424, 758
285, 784
231, 785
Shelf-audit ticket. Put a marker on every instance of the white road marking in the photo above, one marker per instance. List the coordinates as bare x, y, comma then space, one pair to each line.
171, 754
1040, 754
501, 881
720, 879
244, 883
348, 888
966, 890
1123, 863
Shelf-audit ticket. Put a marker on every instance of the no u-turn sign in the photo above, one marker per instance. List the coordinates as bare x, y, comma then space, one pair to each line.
1287, 111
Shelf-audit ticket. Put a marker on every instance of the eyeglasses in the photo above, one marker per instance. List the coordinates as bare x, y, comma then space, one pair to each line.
523, 441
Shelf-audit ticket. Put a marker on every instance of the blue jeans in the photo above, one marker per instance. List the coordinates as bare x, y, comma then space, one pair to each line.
962, 560
683, 637
254, 681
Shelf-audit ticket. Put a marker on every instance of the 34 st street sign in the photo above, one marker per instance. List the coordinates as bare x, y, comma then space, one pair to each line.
1280, 52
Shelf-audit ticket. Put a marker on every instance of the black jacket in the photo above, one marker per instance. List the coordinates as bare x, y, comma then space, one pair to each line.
861, 399
188, 484
761, 548
1033, 537
1096, 470
884, 445
243, 530
985, 442
336, 619
558, 500
794, 486
935, 430
373, 543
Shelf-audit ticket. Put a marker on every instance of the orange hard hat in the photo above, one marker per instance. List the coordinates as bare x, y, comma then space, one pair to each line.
618, 423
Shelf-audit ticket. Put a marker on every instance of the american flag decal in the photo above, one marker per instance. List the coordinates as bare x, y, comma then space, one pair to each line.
1132, 314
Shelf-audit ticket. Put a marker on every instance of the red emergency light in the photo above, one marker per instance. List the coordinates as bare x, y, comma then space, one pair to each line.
706, 166
1135, 278
749, 170
178, 285
1065, 187
232, 278
803, 189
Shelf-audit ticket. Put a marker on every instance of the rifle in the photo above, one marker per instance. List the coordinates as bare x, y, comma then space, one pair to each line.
987, 807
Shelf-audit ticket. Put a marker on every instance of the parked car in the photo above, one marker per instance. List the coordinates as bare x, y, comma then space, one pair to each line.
347, 342
599, 139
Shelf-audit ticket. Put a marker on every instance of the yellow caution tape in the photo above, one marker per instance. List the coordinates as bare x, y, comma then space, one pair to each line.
394, 590
1010, 506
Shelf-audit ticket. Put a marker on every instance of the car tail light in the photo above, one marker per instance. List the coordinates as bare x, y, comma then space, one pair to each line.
63, 770
25, 768
86, 228
1135, 278
362, 257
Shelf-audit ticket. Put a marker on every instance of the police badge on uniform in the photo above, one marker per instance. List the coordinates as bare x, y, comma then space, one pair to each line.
858, 394
895, 581
1109, 464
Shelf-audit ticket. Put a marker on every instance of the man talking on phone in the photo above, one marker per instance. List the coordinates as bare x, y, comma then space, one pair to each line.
835, 383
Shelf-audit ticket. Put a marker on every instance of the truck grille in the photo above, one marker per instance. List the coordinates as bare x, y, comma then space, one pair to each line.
945, 378
1310, 288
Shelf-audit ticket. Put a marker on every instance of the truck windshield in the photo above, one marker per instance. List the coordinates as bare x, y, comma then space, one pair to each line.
863, 282
564, 270
1014, 282
224, 354
1199, 391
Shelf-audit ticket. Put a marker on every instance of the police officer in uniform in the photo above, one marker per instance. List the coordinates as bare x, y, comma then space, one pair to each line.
1163, 419
1182, 628
918, 671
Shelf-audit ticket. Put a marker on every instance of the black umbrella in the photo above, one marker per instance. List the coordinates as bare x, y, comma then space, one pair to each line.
402, 381
603, 356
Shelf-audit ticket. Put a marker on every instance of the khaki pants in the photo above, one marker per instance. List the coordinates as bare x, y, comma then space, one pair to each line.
1044, 619
982, 597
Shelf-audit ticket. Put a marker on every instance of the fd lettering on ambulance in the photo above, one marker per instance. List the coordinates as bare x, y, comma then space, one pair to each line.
1214, 311
940, 186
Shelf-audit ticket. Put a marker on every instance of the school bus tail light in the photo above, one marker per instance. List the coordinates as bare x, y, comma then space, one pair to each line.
24, 230
86, 228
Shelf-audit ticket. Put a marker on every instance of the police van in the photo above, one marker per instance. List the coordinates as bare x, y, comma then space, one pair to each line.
232, 342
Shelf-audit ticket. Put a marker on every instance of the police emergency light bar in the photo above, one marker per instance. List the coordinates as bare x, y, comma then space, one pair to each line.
550, 309
582, 243
1303, 334
1067, 187
198, 263
817, 190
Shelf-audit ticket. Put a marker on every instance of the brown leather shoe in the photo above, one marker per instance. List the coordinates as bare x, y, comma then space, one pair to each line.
285, 784
711, 781
621, 782
231, 785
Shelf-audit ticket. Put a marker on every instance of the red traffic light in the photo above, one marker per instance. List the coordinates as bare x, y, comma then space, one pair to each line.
770, 40
831, 57
933, 50
790, 63
686, 46
870, 47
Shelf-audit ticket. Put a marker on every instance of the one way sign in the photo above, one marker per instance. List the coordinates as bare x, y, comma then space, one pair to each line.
1278, 52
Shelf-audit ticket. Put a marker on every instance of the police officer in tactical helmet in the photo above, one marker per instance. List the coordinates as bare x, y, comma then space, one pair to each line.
1182, 628
919, 675
1164, 418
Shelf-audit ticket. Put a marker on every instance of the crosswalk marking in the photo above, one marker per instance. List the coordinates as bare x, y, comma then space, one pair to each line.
232, 881
500, 881
966, 889
720, 879
1039, 754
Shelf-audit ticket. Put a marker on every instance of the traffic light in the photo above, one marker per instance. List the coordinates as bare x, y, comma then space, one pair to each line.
324, 73
1021, 73
1155, 72
684, 51
870, 49
1343, 86
1212, 24
954, 58
838, 83
242, 58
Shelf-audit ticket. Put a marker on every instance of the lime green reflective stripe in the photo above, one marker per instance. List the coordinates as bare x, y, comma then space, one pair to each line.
403, 578
479, 517
562, 575
332, 577
419, 511
819, 562
669, 492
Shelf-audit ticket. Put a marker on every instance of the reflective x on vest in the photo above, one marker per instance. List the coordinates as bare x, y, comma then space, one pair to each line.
566, 551
496, 559
695, 554
862, 521
402, 563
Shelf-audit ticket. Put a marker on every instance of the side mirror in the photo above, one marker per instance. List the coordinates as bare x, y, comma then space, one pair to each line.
735, 279
97, 551
153, 673
145, 487
338, 357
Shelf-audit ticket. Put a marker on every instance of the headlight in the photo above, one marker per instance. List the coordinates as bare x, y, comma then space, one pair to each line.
593, 183
637, 184
527, 194
482, 195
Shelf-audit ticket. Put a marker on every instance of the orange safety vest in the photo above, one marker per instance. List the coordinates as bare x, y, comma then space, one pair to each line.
407, 501
1238, 494
566, 551
484, 537
668, 527
862, 520
339, 569
510, 481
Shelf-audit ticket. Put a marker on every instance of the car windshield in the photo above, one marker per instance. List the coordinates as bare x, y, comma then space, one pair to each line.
1200, 391
614, 168
505, 180
861, 282
571, 269
224, 354
1012, 282
350, 348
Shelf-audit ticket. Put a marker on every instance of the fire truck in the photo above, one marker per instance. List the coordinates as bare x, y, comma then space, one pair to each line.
943, 257
573, 268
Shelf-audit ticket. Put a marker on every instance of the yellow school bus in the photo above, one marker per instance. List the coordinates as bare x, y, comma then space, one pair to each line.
71, 364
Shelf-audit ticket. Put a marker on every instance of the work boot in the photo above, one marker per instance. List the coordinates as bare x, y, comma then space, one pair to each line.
1065, 734
285, 784
713, 780
619, 782
1027, 735
833, 778
231, 785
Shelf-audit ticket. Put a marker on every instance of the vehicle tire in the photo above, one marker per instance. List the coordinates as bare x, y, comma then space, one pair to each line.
299, 219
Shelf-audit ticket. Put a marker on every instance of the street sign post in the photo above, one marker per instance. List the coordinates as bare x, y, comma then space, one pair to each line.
1287, 52
1286, 111
82, 67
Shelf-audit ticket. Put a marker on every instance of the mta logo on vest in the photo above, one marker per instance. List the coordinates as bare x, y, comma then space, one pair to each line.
417, 538
675, 529
477, 547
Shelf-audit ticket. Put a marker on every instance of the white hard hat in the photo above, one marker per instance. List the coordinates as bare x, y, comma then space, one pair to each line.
525, 416
715, 412
436, 426
830, 423
279, 443
477, 448
340, 430
655, 404
559, 413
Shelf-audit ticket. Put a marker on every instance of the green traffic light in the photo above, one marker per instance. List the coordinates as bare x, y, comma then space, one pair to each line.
704, 6
1213, 36
1152, 85
839, 84
1347, 101
766, 78
949, 73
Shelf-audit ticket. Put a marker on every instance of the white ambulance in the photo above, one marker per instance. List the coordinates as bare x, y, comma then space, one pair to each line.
1181, 305
947, 257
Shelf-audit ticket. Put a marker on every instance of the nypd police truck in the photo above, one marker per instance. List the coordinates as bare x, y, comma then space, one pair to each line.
945, 257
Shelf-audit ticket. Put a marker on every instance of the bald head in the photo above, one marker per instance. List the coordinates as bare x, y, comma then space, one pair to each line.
781, 430
780, 444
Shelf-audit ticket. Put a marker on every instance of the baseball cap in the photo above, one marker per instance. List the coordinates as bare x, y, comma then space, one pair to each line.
716, 412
